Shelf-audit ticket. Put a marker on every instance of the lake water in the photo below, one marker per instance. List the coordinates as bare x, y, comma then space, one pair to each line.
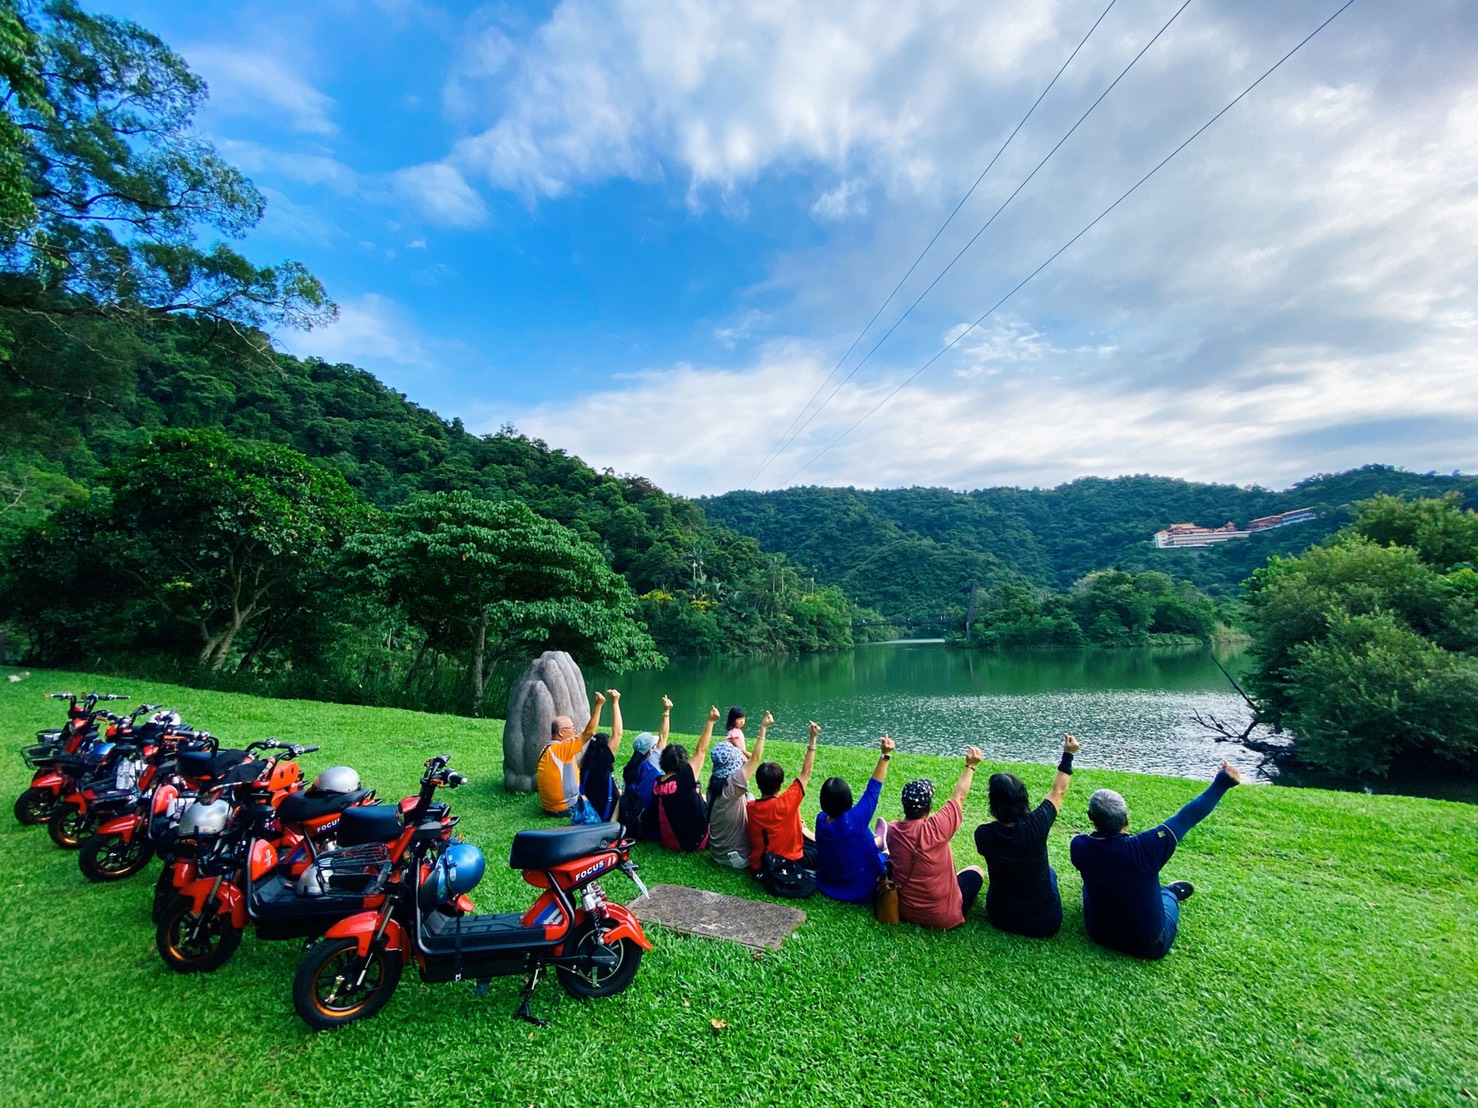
1131, 709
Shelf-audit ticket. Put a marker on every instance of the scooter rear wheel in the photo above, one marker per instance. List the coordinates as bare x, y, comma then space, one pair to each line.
598, 980
34, 806
69, 825
195, 944
109, 858
324, 989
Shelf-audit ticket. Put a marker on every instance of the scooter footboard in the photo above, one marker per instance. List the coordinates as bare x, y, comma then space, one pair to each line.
626, 926
362, 927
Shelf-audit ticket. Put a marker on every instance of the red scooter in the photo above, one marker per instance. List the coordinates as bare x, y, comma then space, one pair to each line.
427, 919
56, 753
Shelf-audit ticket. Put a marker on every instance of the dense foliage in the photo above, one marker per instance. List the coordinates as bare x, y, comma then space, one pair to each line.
1366, 648
914, 554
1106, 608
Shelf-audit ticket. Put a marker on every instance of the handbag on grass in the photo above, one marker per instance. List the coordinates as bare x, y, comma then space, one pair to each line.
885, 900
583, 812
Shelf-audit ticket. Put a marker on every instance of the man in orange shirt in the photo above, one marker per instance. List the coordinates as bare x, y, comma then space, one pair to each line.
775, 818
558, 773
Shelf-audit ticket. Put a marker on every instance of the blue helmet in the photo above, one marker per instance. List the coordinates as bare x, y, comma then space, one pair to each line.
458, 870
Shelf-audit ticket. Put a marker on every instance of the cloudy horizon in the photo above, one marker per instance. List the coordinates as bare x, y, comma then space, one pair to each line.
648, 233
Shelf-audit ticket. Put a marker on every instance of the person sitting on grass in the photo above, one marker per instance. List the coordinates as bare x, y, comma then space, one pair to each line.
1124, 906
557, 774
930, 892
642, 771
598, 765
775, 818
728, 815
848, 859
1022, 896
679, 811
734, 736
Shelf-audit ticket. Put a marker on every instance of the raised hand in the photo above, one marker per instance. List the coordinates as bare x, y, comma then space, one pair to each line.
613, 694
973, 757
815, 729
887, 745
1232, 771
1071, 745
600, 697
666, 704
714, 714
768, 721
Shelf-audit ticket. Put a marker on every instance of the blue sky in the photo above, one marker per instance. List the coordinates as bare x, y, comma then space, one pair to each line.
648, 232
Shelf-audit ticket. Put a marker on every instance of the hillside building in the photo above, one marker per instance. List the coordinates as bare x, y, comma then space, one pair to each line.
1182, 535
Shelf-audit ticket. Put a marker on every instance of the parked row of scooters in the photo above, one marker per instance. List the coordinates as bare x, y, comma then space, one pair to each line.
371, 886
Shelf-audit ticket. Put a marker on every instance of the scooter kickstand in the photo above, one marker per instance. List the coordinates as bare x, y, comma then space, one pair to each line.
483, 985
523, 1012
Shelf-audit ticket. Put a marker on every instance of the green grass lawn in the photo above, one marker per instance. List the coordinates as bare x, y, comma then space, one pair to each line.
1330, 956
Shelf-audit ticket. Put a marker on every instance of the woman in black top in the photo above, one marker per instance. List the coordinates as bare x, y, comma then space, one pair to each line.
678, 809
1022, 896
598, 765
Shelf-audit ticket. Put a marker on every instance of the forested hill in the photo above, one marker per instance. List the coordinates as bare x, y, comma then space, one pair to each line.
75, 401
912, 552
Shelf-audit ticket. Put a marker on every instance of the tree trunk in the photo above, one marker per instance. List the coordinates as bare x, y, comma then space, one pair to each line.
411, 673
479, 650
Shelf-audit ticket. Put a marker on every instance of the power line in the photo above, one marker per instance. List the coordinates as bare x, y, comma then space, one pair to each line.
1060, 250
782, 442
1025, 181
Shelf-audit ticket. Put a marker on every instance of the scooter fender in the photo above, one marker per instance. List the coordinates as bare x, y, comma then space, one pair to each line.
263, 859
231, 901
124, 826
626, 926
77, 799
362, 927
48, 779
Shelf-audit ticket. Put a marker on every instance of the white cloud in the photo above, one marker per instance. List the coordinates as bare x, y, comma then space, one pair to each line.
371, 329
260, 85
441, 194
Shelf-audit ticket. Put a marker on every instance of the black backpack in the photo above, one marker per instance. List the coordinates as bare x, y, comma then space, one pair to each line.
785, 877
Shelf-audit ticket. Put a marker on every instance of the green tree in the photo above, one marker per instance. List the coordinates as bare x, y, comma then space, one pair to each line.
226, 535
1367, 648
498, 581
118, 186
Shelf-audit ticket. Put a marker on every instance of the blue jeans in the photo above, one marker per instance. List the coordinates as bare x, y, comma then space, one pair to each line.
1162, 945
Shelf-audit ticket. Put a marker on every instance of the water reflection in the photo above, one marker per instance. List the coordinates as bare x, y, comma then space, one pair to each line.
1132, 709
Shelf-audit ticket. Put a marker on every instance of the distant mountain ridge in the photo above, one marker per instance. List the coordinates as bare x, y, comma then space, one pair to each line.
917, 550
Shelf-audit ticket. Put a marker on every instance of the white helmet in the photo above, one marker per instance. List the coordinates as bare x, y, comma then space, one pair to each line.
205, 819
336, 779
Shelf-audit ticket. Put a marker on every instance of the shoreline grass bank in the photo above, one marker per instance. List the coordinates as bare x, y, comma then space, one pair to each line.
1327, 958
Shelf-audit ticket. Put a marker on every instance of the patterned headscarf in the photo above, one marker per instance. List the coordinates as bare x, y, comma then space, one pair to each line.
726, 759
918, 798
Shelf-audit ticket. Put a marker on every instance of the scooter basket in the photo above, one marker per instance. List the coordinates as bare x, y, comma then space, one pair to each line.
40, 754
350, 873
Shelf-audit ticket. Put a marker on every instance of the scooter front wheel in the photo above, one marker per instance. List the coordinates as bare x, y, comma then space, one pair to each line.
34, 806
109, 858
335, 986
598, 979
69, 825
195, 944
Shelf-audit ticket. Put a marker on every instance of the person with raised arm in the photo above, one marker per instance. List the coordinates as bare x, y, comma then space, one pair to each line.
639, 775
775, 818
724, 760
728, 816
682, 815
1124, 906
1021, 895
930, 892
557, 774
848, 858
598, 765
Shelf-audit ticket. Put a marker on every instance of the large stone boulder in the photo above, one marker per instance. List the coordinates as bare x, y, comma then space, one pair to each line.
551, 686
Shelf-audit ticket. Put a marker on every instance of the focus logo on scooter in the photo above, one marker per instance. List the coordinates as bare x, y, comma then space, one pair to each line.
588, 870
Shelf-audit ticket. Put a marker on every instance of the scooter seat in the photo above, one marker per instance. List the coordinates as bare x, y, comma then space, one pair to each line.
369, 823
300, 806
548, 847
207, 766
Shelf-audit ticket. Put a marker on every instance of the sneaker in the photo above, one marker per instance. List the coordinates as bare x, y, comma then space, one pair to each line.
1181, 890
